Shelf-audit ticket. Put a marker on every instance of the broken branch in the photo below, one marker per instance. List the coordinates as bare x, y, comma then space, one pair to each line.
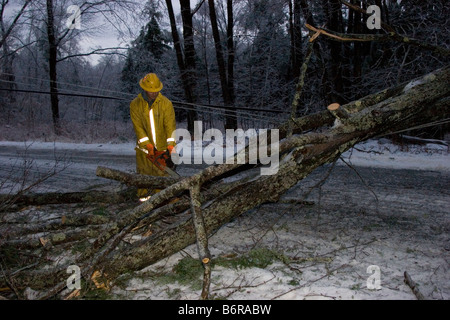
136, 180
202, 238
409, 281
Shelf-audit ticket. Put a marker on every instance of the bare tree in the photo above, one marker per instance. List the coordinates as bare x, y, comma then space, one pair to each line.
59, 33
186, 62
5, 32
296, 36
52, 60
7, 57
226, 78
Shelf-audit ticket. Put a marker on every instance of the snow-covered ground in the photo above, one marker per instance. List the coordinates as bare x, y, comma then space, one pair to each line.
335, 249
382, 153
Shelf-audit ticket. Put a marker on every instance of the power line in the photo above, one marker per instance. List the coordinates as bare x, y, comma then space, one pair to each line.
179, 105
425, 125
133, 95
216, 107
59, 83
229, 107
213, 110
258, 118
63, 94
130, 94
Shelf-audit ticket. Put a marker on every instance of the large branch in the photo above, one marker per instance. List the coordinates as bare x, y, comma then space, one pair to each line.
38, 199
136, 180
202, 238
323, 118
100, 51
392, 36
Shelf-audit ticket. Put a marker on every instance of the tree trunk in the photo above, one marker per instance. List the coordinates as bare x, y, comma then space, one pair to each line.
230, 49
52, 60
230, 121
189, 57
183, 65
296, 37
334, 21
39, 199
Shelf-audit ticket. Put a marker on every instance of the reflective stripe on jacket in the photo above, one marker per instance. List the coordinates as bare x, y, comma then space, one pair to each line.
155, 124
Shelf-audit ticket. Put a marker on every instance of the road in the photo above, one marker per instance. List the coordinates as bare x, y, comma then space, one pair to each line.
67, 170
76, 170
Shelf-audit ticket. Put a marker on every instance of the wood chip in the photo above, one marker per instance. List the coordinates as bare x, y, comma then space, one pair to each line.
43, 241
74, 294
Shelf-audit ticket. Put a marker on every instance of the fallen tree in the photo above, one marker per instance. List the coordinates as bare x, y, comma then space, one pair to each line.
421, 101
217, 194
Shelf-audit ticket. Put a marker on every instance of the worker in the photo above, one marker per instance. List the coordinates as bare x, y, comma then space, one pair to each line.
154, 123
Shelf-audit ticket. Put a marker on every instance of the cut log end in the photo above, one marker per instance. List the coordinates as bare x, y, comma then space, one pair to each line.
334, 106
338, 112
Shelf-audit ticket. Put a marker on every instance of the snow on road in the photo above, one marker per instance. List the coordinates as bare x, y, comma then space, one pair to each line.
373, 153
383, 154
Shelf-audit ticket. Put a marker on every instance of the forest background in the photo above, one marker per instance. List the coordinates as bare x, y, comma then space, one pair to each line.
229, 64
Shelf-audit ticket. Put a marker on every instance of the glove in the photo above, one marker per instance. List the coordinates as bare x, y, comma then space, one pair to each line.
171, 149
151, 149
171, 152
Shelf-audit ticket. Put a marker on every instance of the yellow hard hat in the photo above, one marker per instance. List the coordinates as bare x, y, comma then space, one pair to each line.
151, 83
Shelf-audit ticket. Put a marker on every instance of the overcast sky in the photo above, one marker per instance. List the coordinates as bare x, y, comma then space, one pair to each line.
110, 39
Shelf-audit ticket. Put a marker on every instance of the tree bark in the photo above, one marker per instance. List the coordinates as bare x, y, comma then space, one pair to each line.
38, 199
202, 238
296, 37
334, 21
189, 57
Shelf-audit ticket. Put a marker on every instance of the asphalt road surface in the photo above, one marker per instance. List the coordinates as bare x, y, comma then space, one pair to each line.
63, 170
67, 170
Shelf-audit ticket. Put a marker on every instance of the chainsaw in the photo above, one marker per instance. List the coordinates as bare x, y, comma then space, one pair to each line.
161, 155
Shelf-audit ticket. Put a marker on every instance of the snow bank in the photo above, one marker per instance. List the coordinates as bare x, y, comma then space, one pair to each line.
383, 154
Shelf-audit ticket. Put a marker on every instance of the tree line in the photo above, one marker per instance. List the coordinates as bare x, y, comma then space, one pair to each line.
240, 54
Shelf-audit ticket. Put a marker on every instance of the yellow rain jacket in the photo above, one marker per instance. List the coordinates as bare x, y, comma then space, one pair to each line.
154, 125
